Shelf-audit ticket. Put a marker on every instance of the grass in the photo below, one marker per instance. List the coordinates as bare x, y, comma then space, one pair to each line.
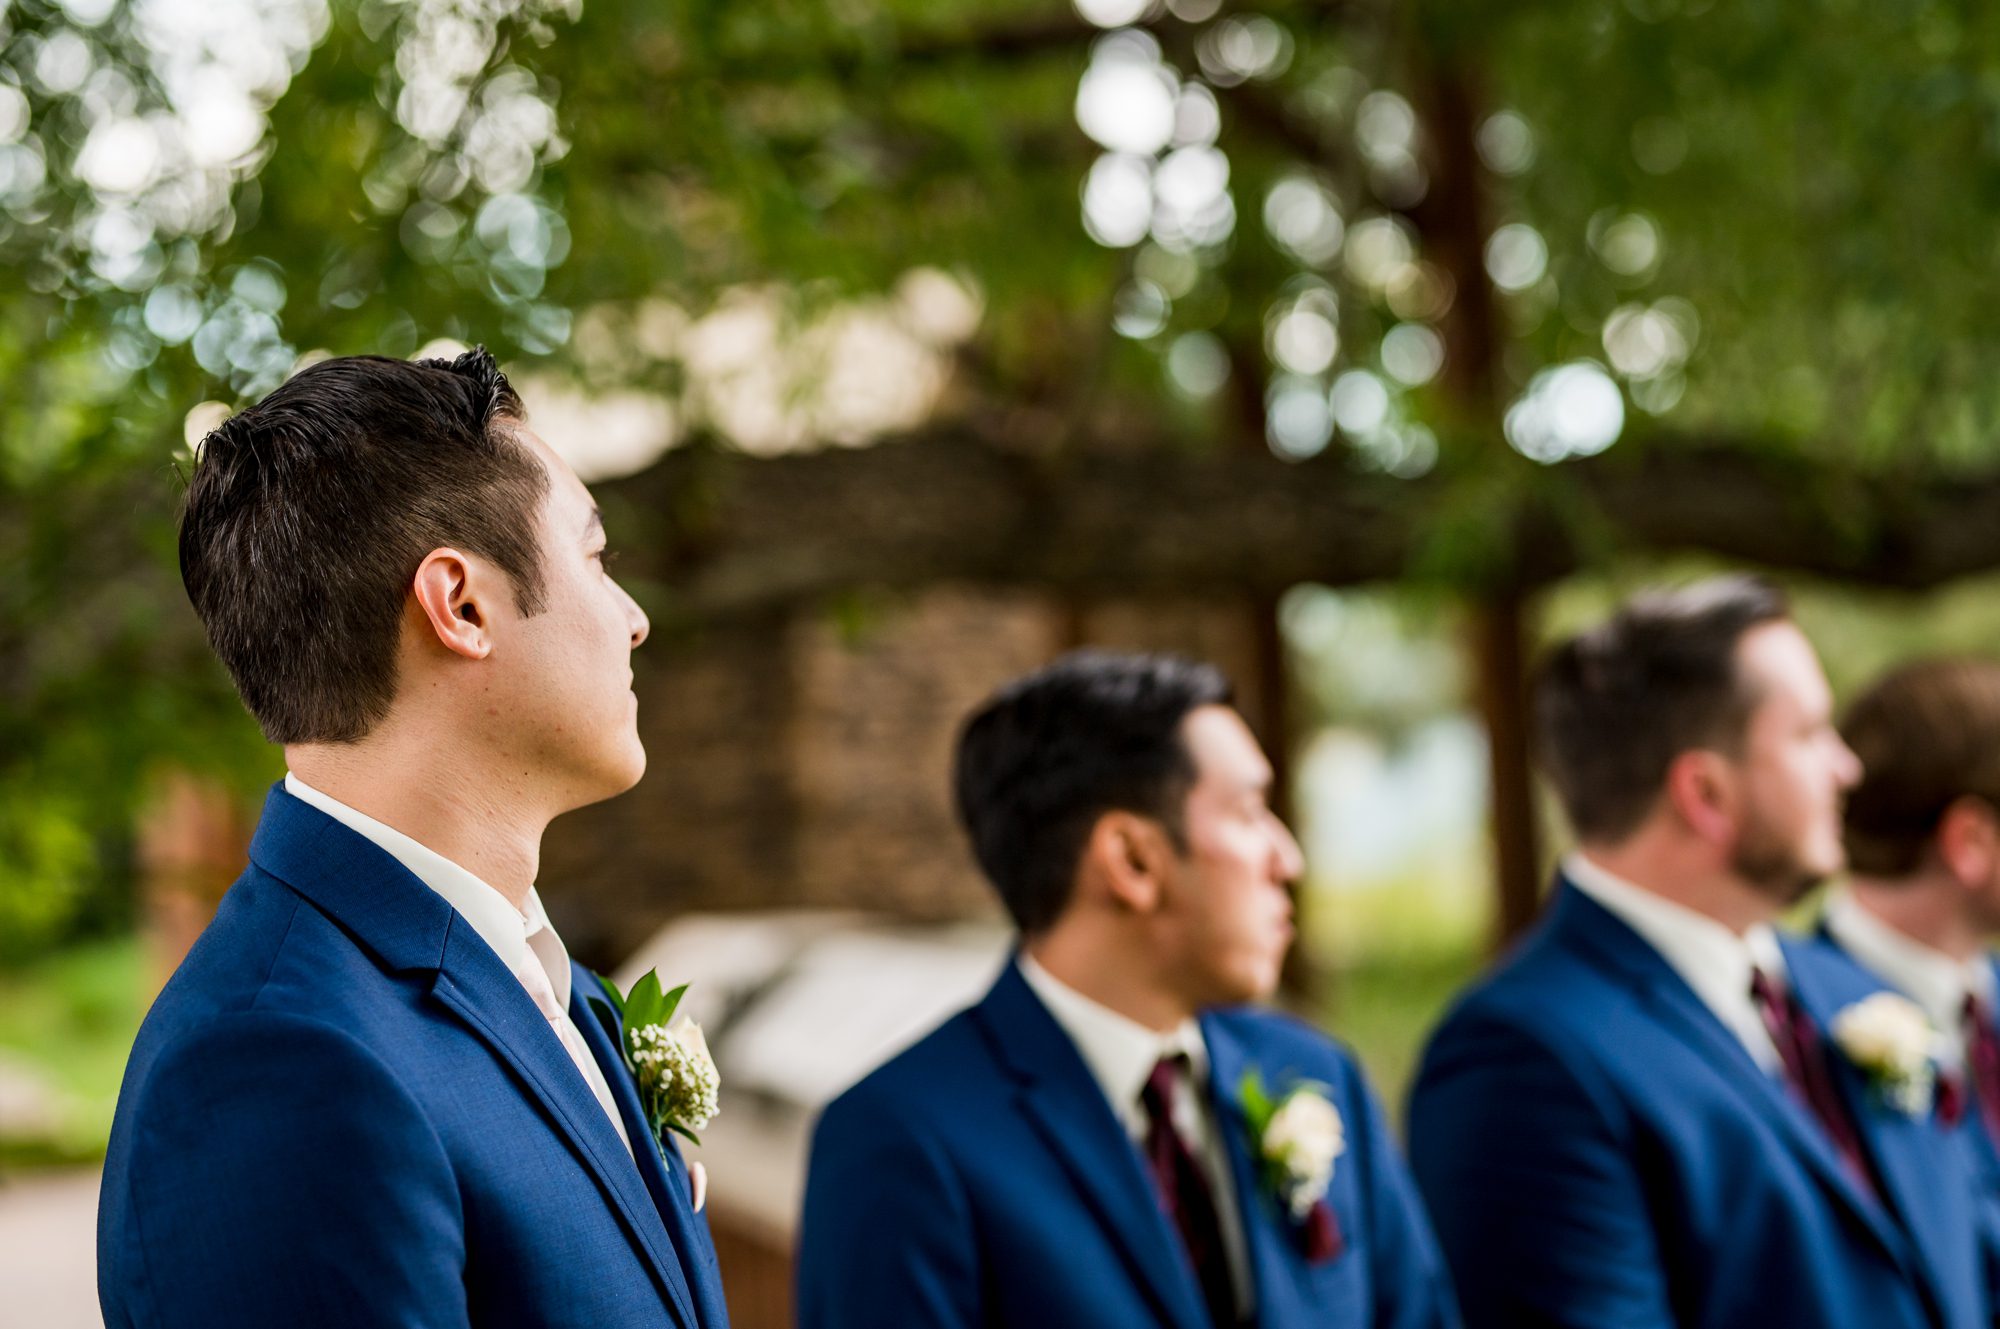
1385, 1005
1391, 958
71, 1018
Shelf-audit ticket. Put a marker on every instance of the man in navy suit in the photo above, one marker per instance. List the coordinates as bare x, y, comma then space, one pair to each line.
1112, 1138
1655, 1113
378, 1091
1923, 845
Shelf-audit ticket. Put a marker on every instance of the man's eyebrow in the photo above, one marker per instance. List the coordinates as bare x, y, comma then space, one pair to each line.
595, 524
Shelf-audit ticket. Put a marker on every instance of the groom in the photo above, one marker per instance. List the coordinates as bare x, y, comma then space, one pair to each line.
378, 1091
1111, 1137
1655, 1114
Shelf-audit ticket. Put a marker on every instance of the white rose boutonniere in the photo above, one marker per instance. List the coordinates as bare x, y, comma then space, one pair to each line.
1890, 1040
1299, 1136
678, 1084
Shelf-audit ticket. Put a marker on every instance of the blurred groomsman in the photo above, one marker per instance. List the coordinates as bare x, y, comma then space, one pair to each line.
1923, 843
1111, 1138
1656, 1113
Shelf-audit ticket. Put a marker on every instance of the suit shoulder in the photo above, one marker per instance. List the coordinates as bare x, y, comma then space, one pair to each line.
1540, 1012
279, 1044
1268, 1033
948, 1063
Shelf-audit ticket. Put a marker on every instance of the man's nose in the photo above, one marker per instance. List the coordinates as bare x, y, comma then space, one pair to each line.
641, 625
1291, 859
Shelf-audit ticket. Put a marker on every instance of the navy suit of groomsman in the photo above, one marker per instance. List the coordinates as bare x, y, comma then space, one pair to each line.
1923, 842
1112, 1138
1656, 1112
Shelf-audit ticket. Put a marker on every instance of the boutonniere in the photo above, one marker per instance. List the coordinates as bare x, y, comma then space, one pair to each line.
1298, 1136
668, 1058
1889, 1039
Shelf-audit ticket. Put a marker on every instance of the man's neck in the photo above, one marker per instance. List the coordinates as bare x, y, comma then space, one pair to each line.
481, 828
1100, 972
1718, 894
1927, 907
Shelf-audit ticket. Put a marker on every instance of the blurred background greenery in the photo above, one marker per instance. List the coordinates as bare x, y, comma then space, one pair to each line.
1524, 304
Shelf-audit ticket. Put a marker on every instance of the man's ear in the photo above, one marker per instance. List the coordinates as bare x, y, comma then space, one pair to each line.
1968, 840
454, 595
1127, 859
1701, 788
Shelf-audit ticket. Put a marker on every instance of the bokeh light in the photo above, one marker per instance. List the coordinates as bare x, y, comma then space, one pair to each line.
1571, 410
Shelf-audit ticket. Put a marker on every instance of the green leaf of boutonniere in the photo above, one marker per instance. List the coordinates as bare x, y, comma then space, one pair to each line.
1257, 1104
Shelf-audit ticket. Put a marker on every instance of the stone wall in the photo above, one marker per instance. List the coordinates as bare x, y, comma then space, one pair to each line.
803, 761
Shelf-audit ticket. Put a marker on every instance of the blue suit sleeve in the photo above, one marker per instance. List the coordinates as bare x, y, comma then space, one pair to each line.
886, 1237
1412, 1289
280, 1175
1532, 1188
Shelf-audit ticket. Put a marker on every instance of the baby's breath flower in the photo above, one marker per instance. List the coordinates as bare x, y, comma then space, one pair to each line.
677, 1080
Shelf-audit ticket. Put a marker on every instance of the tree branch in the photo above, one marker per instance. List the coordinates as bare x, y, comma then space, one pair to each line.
726, 535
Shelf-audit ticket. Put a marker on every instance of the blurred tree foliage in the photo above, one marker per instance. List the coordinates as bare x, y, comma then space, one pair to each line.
1392, 238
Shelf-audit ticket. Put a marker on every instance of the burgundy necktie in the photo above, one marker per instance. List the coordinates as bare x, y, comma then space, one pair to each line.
1982, 1060
1807, 1073
1184, 1190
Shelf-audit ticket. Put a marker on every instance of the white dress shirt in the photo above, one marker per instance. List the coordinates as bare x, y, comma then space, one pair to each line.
1121, 1054
1932, 979
1708, 956
524, 941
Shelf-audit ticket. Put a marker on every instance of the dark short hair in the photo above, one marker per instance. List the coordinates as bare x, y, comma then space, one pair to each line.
308, 514
1927, 734
1614, 706
1050, 753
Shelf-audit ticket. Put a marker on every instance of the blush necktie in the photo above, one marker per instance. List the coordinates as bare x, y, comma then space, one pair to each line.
1982, 1062
1808, 1075
1184, 1190
535, 978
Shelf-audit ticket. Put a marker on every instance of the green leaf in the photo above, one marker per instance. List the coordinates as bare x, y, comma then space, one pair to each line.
643, 1003
670, 1003
617, 997
679, 1129
1257, 1104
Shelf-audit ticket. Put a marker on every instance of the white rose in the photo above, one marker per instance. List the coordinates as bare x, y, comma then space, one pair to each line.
688, 1034
1886, 1033
1304, 1137
703, 1081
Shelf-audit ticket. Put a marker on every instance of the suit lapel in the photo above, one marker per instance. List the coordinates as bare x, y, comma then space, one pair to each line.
1069, 1111
670, 1189
1598, 931
409, 928
474, 983
1277, 1267
1898, 1144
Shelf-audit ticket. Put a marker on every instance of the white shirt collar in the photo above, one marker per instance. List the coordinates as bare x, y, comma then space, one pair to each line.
1119, 1051
1928, 977
1710, 958
516, 937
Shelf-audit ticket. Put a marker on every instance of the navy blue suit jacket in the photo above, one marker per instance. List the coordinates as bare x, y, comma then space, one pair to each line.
1600, 1150
1984, 1149
344, 1109
982, 1179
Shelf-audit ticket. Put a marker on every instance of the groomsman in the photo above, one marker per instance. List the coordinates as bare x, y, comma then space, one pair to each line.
1923, 843
378, 1091
1113, 1137
1655, 1112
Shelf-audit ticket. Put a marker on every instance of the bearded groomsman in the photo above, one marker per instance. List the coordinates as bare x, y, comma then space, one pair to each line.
1656, 1113
1923, 843
1112, 1137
